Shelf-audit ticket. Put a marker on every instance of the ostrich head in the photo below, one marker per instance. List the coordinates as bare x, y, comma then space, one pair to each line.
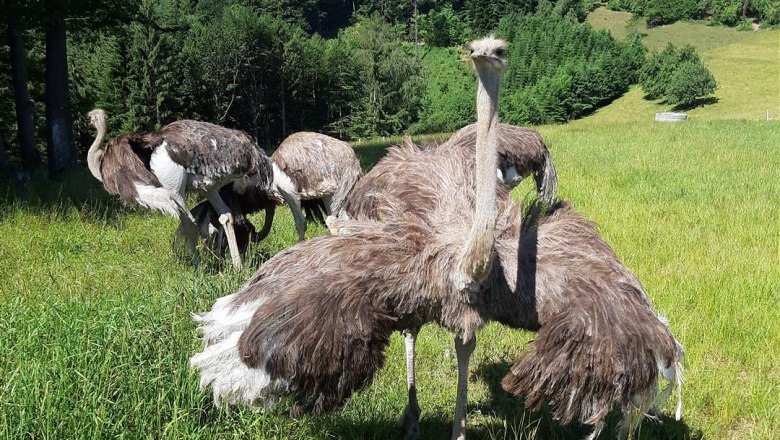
97, 118
488, 53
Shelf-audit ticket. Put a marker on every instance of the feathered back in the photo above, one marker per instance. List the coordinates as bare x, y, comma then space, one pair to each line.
211, 150
318, 164
519, 147
125, 164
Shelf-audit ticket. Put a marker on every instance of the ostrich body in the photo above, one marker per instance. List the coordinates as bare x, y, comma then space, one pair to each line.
521, 152
287, 330
309, 166
157, 170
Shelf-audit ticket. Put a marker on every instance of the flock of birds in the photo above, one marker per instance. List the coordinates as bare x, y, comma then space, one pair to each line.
428, 235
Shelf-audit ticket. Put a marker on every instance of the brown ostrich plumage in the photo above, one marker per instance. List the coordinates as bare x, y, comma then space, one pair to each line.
157, 170
315, 319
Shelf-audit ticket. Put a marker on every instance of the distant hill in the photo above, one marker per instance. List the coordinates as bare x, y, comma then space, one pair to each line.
696, 33
746, 65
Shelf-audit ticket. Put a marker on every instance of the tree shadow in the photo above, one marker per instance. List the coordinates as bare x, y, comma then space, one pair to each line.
699, 102
512, 418
77, 190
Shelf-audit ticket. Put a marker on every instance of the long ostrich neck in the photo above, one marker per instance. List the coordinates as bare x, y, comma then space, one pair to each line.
477, 255
95, 153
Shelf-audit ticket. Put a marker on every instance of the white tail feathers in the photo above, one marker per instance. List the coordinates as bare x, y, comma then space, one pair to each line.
220, 364
231, 380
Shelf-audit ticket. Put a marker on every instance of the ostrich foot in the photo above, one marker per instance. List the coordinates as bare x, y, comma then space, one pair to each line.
410, 422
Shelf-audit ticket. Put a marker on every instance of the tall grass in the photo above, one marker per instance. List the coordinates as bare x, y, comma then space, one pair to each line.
95, 331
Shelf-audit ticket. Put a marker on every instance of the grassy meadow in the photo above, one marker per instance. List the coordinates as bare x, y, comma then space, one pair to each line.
95, 307
95, 331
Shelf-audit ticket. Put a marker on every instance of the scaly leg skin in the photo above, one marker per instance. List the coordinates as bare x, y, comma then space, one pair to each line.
188, 230
226, 219
463, 350
410, 423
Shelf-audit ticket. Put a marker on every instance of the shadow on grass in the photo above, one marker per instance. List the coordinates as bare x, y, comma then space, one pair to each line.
701, 102
77, 190
512, 411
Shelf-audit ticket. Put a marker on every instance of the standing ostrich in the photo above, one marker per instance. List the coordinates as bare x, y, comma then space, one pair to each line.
287, 330
156, 170
309, 166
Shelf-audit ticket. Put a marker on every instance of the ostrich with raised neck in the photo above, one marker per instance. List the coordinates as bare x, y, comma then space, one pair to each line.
157, 170
314, 321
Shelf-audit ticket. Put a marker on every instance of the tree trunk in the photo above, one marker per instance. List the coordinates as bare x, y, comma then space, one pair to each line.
58, 122
5, 164
25, 121
745, 7
416, 39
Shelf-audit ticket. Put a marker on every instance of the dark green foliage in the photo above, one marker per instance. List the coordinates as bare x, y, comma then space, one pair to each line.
690, 81
448, 99
676, 74
442, 28
389, 76
725, 12
562, 69
261, 66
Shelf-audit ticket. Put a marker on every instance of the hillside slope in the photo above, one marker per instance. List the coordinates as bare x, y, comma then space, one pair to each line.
748, 76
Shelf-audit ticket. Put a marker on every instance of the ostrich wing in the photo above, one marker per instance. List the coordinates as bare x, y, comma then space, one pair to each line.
314, 321
600, 340
125, 165
217, 153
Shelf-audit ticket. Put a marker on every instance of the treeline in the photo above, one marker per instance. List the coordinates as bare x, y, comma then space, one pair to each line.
560, 69
725, 12
273, 67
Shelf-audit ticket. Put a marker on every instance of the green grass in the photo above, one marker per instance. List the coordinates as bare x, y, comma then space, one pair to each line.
696, 33
94, 306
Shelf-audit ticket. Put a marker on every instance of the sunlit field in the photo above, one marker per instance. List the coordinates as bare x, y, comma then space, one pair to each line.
96, 332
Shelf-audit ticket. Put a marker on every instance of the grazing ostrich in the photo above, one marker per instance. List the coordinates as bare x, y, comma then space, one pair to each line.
241, 205
314, 321
309, 166
156, 170
521, 152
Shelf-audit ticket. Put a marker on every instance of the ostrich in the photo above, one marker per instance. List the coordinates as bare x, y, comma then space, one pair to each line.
521, 151
286, 331
156, 170
310, 166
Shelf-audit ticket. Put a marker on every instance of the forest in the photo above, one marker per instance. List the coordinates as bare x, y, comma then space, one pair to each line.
352, 69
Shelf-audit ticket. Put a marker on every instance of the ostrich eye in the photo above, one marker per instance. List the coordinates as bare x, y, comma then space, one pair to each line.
500, 52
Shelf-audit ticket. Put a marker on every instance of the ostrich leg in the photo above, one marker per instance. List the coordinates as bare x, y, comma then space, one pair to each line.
328, 202
294, 202
463, 350
226, 219
410, 423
